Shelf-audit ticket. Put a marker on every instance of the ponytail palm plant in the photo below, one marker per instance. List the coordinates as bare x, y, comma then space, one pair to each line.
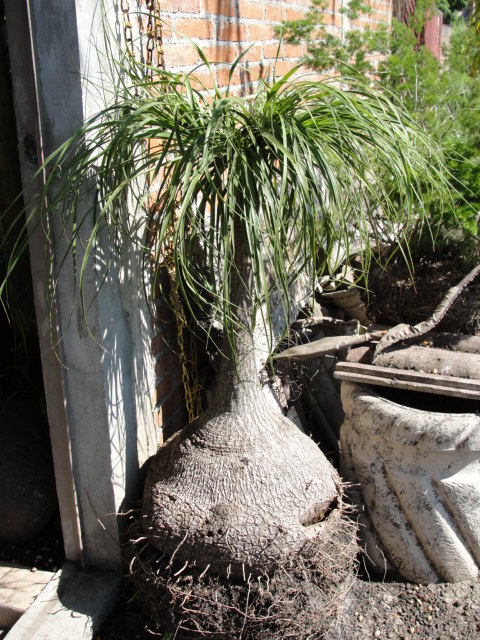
251, 193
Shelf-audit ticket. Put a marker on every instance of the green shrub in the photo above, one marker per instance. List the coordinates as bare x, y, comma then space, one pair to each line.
444, 97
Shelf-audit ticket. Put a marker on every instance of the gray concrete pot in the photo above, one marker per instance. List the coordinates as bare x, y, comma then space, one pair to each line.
418, 475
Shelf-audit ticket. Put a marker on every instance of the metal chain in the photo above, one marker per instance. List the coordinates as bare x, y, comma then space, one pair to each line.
153, 32
191, 386
154, 37
127, 27
196, 386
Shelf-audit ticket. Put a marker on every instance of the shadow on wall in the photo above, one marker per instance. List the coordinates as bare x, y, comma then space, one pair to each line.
126, 330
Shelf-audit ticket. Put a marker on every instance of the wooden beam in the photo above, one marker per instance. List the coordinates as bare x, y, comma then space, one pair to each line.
408, 380
18, 23
325, 346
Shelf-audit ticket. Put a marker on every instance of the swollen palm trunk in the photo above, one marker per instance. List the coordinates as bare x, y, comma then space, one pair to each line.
240, 489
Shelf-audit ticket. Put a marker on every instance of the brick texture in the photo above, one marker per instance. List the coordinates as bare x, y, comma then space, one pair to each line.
225, 28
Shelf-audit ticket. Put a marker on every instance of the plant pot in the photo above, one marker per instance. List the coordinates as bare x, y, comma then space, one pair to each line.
418, 476
350, 301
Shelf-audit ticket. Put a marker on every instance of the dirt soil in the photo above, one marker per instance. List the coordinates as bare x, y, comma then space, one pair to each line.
44, 552
394, 297
388, 608
399, 610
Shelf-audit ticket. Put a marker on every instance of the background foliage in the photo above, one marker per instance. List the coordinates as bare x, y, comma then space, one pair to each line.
443, 96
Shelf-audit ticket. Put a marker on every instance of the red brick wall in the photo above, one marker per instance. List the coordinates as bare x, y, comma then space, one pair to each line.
381, 14
225, 28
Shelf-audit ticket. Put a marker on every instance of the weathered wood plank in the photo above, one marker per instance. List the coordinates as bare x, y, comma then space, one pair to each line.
19, 587
325, 346
413, 376
408, 380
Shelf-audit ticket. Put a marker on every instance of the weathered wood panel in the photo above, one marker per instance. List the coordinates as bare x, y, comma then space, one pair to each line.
408, 380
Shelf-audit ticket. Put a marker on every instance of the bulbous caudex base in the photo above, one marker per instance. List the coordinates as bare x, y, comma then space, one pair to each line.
240, 489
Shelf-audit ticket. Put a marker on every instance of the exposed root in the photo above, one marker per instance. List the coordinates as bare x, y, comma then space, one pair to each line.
300, 600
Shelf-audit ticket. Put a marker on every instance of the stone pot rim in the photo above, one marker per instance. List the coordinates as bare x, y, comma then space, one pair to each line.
428, 430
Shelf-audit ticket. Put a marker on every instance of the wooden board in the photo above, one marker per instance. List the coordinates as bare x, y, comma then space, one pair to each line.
19, 587
408, 380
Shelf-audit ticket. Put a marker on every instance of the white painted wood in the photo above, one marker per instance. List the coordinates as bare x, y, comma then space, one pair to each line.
98, 382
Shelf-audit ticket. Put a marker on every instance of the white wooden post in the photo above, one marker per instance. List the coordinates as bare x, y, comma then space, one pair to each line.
99, 389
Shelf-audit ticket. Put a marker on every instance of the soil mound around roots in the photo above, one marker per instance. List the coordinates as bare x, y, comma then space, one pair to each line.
301, 600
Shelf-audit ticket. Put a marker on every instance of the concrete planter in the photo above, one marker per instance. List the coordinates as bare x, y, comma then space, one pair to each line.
418, 475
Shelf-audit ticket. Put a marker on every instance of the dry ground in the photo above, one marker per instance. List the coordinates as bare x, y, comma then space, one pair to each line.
392, 610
